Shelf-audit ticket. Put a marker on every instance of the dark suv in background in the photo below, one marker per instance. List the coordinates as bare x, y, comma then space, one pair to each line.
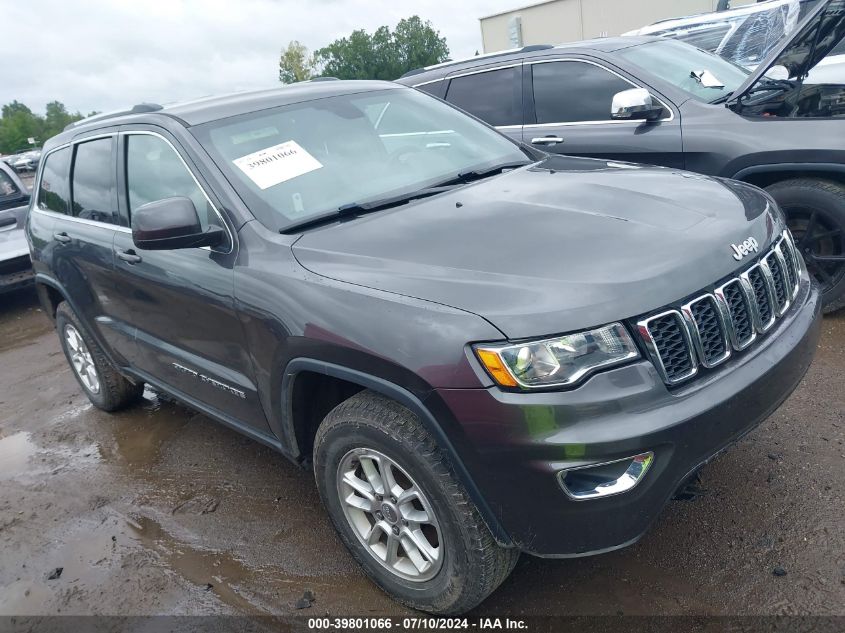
664, 102
479, 351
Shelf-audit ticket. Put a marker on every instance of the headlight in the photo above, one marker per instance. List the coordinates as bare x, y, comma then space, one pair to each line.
557, 361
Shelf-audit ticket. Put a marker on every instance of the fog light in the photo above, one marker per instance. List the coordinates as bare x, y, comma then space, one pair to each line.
605, 480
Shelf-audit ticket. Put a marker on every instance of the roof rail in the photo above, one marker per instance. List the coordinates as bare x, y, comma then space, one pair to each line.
449, 62
136, 109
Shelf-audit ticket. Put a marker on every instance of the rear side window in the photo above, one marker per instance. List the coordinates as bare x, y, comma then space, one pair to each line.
7, 185
494, 96
94, 182
53, 192
154, 172
570, 92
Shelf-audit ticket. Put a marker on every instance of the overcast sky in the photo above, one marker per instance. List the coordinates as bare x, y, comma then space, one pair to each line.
106, 54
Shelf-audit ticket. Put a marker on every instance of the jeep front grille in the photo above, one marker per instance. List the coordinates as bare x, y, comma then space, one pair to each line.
707, 330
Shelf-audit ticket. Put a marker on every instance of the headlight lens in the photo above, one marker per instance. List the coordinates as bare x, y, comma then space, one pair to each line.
558, 361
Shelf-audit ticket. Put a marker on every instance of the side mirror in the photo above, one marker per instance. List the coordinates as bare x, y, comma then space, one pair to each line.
635, 104
171, 223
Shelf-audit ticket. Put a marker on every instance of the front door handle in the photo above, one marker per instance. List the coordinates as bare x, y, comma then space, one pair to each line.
130, 256
546, 140
62, 237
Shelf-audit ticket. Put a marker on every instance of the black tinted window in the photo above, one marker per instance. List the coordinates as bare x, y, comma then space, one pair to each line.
94, 184
54, 193
434, 88
494, 96
574, 91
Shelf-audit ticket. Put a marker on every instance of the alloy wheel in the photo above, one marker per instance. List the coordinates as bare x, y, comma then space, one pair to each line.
80, 359
821, 242
390, 514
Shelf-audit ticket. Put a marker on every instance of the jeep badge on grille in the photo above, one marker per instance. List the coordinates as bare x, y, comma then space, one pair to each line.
741, 250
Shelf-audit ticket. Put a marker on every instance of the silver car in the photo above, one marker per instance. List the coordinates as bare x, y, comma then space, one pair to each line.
15, 265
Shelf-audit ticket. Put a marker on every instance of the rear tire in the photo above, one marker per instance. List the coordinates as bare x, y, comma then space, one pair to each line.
106, 388
815, 213
370, 439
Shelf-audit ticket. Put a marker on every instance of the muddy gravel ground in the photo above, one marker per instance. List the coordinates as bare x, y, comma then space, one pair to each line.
158, 510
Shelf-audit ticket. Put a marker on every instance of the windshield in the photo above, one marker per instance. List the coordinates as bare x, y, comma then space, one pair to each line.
706, 77
305, 160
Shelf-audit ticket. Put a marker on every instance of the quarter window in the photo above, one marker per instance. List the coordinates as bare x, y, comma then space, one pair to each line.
154, 171
53, 192
94, 182
568, 92
494, 96
433, 88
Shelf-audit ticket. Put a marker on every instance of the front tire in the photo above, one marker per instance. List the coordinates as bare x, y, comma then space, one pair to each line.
398, 507
815, 213
106, 388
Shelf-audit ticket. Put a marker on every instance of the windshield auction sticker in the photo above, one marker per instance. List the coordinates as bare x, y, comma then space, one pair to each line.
273, 165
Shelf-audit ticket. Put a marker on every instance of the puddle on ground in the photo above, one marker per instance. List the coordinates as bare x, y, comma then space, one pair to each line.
21, 457
141, 432
201, 567
15, 451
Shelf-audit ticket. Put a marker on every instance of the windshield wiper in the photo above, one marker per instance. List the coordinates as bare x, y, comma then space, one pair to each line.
770, 85
479, 174
360, 208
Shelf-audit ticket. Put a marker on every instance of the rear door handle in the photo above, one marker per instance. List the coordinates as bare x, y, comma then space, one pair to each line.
546, 140
130, 256
62, 237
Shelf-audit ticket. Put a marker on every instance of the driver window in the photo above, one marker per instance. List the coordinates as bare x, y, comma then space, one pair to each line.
154, 172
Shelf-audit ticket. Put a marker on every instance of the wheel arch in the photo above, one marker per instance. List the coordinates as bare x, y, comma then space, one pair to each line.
355, 381
769, 174
50, 294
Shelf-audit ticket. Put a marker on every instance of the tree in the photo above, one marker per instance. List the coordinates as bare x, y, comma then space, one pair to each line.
19, 123
385, 54
295, 63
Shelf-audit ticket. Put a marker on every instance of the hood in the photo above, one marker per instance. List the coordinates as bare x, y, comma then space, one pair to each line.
809, 44
559, 246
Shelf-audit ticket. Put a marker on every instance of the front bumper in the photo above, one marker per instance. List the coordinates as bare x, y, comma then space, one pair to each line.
515, 445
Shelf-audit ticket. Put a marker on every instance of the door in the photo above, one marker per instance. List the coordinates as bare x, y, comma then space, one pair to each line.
83, 232
568, 106
180, 302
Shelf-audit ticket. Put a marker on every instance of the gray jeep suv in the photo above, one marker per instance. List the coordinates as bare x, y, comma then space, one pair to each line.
663, 102
479, 351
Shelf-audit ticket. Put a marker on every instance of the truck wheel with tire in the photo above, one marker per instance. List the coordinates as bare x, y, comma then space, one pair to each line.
106, 388
815, 212
399, 508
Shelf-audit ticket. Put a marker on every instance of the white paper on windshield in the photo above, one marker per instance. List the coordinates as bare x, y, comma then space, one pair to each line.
270, 166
